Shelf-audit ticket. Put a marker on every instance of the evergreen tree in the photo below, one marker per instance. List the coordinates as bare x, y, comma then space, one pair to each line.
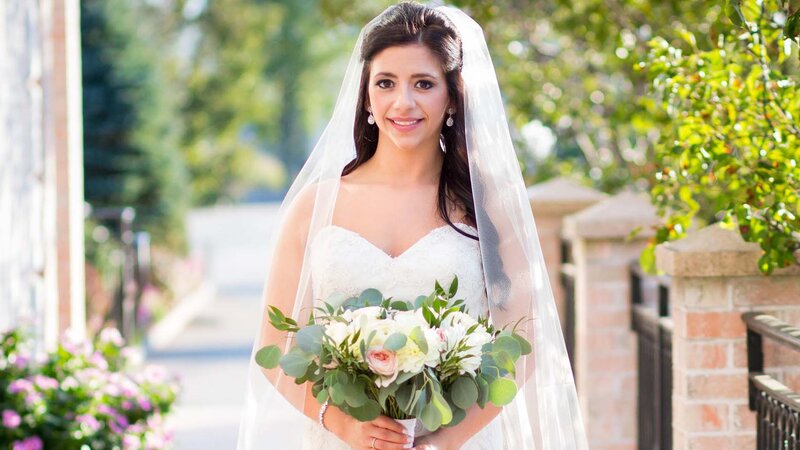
131, 152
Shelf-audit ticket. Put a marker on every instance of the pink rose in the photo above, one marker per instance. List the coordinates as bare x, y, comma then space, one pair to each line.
384, 363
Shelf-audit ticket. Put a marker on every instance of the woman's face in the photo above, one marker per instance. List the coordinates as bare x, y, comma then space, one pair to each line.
408, 95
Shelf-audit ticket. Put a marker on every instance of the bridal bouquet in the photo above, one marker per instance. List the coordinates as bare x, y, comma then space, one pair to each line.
427, 360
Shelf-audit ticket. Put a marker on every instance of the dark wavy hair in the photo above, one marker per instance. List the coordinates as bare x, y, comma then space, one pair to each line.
411, 23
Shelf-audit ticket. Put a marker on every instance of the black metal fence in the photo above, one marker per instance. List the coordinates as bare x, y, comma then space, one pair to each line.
650, 320
567, 274
133, 265
777, 407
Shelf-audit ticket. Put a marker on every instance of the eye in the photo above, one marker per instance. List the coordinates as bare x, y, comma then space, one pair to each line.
424, 84
384, 84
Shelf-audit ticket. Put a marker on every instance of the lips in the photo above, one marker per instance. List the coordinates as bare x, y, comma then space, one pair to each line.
405, 124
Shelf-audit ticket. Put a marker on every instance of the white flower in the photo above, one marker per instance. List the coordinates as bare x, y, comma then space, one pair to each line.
337, 331
456, 336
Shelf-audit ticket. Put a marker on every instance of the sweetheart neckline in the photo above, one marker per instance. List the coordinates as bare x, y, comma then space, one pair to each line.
407, 250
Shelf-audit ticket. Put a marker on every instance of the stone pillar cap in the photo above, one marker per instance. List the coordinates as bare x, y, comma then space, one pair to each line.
562, 195
615, 217
712, 251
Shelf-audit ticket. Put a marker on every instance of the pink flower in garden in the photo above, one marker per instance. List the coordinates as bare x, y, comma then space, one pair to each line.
144, 403
11, 419
384, 363
20, 360
21, 385
89, 422
112, 336
45, 383
31, 443
99, 360
131, 442
155, 374
127, 405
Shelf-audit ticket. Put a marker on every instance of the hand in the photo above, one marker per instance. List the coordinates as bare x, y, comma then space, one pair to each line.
381, 433
433, 442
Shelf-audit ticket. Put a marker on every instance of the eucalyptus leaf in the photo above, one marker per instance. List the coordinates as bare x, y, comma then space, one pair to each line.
502, 391
370, 297
366, 412
441, 405
310, 338
524, 345
296, 362
395, 342
268, 357
431, 417
418, 337
464, 392
508, 345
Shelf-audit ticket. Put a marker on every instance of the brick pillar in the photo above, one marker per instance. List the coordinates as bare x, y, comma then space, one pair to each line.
550, 202
605, 350
63, 105
714, 280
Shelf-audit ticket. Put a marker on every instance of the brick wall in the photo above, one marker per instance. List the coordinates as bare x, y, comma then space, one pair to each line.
714, 280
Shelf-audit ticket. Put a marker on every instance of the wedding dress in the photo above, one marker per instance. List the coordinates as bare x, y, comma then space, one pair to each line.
342, 261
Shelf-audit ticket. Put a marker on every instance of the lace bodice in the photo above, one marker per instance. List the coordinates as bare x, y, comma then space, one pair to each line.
342, 261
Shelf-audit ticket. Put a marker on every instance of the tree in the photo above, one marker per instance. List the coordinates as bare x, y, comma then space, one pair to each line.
131, 153
732, 146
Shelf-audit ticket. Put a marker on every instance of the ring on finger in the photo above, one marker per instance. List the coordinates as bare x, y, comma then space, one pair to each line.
373, 442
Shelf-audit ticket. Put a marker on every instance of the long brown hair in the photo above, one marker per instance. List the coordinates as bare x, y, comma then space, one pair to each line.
411, 23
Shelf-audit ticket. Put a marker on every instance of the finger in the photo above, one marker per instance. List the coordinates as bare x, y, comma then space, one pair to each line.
389, 423
384, 445
389, 436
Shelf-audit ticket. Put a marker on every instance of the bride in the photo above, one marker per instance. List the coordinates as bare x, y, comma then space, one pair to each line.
414, 181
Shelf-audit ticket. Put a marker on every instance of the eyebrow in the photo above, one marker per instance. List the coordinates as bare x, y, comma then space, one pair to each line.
416, 75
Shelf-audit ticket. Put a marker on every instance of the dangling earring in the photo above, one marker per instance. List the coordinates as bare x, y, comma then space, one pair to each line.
370, 118
441, 143
449, 122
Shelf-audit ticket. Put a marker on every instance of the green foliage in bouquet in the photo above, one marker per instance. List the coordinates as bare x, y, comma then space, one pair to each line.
466, 361
731, 149
80, 396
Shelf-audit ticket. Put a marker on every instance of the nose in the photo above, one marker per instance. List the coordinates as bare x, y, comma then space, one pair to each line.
404, 99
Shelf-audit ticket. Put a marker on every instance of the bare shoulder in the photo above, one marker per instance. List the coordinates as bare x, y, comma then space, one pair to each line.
299, 211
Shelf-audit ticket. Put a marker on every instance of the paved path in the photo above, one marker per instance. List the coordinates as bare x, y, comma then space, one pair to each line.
211, 354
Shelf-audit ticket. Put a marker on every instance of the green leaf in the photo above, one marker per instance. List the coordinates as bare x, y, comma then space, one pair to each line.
502, 391
400, 305
268, 357
296, 362
791, 29
441, 405
322, 396
420, 301
354, 394
464, 392
524, 345
431, 417
733, 9
366, 412
337, 394
458, 415
509, 345
483, 391
418, 337
370, 297
395, 342
310, 338
453, 287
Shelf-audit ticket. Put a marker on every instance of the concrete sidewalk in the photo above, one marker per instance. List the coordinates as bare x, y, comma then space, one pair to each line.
211, 354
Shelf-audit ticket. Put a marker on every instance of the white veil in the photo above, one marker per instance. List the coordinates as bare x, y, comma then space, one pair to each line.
545, 415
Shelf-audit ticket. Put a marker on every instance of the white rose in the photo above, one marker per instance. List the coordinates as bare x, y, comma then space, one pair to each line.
337, 331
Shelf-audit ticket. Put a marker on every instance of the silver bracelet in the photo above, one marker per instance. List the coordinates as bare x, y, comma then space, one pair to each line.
322, 410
